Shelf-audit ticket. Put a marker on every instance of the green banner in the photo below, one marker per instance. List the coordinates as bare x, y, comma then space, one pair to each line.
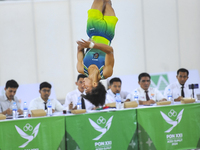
169, 127
47, 133
102, 131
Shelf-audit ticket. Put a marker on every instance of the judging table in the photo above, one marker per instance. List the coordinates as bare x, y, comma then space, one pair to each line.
145, 127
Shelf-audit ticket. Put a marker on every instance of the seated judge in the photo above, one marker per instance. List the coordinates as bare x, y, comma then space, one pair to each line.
114, 88
180, 88
146, 95
7, 99
72, 97
41, 101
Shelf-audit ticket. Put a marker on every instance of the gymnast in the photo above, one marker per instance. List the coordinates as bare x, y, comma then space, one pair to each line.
98, 60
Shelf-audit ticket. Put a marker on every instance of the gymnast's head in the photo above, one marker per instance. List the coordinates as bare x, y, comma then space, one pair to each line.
89, 84
95, 92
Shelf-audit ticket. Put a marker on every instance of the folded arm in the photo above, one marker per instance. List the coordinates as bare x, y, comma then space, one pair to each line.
109, 58
146, 102
103, 47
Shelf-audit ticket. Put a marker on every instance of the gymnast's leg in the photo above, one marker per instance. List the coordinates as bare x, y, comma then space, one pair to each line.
98, 4
108, 10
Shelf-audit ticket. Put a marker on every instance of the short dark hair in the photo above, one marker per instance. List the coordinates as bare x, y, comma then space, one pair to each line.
144, 74
12, 84
182, 70
97, 96
115, 80
45, 85
81, 76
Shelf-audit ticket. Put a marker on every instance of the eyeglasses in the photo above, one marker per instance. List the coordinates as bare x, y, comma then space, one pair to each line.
46, 91
145, 80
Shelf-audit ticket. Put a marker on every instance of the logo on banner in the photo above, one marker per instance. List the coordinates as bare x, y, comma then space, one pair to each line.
102, 121
26, 128
160, 82
174, 123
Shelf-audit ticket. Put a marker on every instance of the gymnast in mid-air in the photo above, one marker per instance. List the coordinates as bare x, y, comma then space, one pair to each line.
98, 60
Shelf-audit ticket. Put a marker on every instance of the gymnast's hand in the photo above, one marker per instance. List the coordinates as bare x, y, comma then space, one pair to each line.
80, 48
83, 43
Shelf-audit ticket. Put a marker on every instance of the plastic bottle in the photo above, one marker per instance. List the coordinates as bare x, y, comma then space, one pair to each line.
25, 110
136, 96
49, 108
169, 96
14, 110
79, 103
118, 101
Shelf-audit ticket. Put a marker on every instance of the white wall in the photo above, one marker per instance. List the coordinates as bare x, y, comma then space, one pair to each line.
161, 36
53, 45
189, 33
17, 47
38, 39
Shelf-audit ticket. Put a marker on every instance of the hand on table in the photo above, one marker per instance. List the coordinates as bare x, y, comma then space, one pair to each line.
146, 102
8, 111
178, 99
71, 106
20, 111
164, 99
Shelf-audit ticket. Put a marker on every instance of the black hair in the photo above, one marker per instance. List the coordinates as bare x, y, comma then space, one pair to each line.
97, 96
81, 76
115, 80
182, 70
45, 85
144, 74
12, 84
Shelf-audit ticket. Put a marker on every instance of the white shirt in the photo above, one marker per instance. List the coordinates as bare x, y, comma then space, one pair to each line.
5, 103
176, 90
88, 105
110, 96
153, 94
72, 97
38, 103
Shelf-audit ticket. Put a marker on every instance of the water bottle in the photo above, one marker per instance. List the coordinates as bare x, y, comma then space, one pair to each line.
25, 110
79, 104
118, 101
49, 108
14, 110
169, 96
136, 96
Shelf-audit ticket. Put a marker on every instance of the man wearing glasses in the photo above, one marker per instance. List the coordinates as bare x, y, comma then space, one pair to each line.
41, 102
146, 95
179, 89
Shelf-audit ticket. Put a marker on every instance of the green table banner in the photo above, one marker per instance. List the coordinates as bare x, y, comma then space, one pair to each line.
169, 127
114, 130
47, 133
